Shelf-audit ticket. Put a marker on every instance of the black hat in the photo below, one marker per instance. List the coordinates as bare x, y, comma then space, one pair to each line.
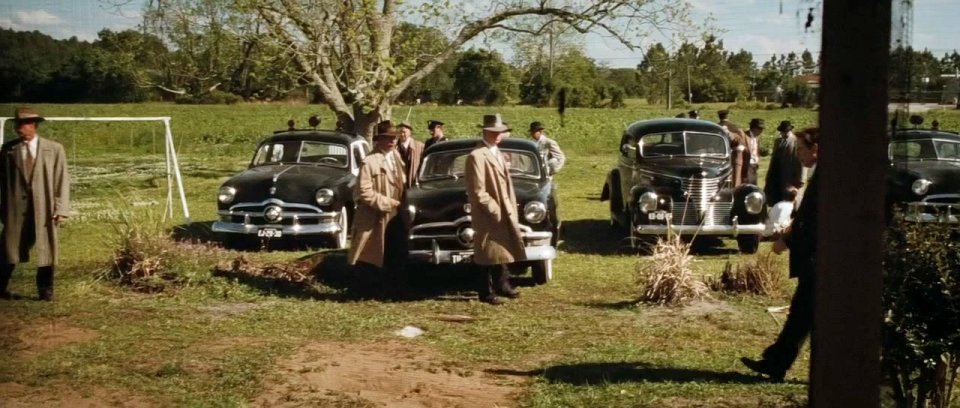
433, 123
723, 113
536, 126
757, 123
785, 125
694, 114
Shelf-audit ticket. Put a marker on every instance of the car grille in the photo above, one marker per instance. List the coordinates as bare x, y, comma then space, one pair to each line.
699, 201
255, 214
444, 233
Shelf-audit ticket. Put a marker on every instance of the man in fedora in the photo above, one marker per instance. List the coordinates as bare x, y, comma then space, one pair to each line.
785, 170
497, 241
739, 148
694, 114
378, 245
411, 151
436, 133
34, 201
752, 153
548, 147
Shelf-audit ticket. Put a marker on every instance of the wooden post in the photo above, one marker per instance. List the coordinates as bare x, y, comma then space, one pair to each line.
845, 365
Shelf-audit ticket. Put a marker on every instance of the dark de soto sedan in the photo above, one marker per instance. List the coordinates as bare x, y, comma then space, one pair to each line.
675, 176
924, 177
441, 231
298, 185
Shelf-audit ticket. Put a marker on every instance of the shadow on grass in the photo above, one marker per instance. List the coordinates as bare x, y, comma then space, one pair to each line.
623, 304
202, 232
592, 237
601, 373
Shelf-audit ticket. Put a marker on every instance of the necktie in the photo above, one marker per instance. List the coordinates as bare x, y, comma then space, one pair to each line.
28, 163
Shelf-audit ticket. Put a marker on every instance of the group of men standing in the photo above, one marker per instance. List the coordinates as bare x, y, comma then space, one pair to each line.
378, 246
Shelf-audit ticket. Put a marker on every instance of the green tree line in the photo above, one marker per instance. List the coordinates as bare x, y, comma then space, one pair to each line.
215, 65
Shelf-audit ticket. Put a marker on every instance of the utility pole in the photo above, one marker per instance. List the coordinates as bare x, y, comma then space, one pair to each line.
669, 88
689, 92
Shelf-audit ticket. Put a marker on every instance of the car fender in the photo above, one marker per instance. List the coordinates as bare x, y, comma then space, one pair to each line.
739, 209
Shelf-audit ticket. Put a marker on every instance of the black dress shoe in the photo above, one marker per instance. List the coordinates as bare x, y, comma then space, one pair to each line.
493, 300
5, 295
763, 367
46, 294
509, 293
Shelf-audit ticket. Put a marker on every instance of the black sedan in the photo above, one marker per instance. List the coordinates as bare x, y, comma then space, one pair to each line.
924, 177
298, 185
441, 231
675, 176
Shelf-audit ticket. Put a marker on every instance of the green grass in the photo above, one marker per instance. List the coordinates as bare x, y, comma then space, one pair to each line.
579, 341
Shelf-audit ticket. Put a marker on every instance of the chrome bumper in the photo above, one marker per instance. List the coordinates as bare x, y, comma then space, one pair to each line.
538, 249
326, 228
732, 229
942, 213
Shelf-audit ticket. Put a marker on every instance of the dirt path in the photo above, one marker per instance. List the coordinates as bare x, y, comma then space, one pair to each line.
390, 374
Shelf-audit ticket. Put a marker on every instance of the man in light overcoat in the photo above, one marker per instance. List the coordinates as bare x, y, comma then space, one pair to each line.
497, 241
411, 150
34, 200
378, 243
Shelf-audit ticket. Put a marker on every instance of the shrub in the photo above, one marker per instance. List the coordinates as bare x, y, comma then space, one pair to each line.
667, 277
215, 97
921, 300
762, 275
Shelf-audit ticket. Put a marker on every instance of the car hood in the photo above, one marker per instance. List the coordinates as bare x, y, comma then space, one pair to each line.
443, 200
944, 174
686, 167
294, 183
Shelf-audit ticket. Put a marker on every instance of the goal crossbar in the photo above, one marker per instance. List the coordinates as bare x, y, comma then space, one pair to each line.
173, 164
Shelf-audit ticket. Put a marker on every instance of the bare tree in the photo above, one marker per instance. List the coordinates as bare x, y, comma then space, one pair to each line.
342, 48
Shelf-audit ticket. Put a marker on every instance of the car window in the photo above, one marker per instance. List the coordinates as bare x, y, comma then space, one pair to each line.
912, 150
451, 164
948, 150
279, 152
327, 154
683, 144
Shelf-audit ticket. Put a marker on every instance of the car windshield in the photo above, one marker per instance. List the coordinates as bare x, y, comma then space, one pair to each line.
925, 149
298, 151
683, 144
451, 164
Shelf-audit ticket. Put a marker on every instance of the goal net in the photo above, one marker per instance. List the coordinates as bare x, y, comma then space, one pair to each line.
172, 162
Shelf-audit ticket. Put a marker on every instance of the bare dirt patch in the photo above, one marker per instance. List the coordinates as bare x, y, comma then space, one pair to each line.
41, 337
14, 395
391, 374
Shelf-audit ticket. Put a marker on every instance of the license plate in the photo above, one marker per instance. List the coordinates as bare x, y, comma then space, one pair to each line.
660, 216
270, 233
461, 258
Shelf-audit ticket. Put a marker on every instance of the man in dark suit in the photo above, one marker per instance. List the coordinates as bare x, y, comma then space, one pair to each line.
436, 133
801, 239
785, 169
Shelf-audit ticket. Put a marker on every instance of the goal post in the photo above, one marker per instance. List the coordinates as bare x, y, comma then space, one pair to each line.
172, 162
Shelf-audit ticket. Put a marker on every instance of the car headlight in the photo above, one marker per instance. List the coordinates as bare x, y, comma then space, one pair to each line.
648, 202
921, 186
324, 196
534, 212
226, 195
754, 202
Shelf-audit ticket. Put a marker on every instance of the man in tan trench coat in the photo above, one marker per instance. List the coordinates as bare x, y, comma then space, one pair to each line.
379, 242
34, 200
497, 241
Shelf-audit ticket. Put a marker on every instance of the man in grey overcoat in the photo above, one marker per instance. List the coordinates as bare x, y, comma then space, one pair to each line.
34, 201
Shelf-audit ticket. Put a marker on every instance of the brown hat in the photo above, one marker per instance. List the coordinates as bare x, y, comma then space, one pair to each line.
494, 123
25, 114
387, 129
757, 123
406, 125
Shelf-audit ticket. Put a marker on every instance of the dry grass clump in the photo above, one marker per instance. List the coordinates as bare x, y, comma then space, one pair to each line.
667, 277
761, 275
297, 272
146, 258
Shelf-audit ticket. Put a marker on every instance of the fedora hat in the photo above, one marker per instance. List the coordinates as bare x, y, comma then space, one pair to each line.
494, 123
405, 124
25, 114
535, 126
784, 126
387, 129
757, 123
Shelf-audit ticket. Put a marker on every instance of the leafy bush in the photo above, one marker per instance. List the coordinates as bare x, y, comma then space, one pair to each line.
921, 298
667, 277
762, 275
215, 97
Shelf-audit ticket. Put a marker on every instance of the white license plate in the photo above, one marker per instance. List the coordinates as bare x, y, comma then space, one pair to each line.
270, 233
461, 258
660, 215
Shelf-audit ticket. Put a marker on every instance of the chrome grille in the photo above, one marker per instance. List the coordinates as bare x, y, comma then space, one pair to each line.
699, 201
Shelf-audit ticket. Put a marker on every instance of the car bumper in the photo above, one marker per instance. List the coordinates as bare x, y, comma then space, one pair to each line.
933, 212
746, 229
287, 230
534, 251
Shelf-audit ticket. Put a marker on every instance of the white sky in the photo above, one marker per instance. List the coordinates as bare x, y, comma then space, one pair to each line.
757, 26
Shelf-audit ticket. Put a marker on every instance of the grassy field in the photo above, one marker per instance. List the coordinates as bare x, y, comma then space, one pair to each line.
241, 340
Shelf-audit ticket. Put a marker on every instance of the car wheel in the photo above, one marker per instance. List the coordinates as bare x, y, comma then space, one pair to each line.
542, 271
343, 222
748, 244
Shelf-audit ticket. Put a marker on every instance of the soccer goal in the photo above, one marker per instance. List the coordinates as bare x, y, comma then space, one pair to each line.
173, 165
